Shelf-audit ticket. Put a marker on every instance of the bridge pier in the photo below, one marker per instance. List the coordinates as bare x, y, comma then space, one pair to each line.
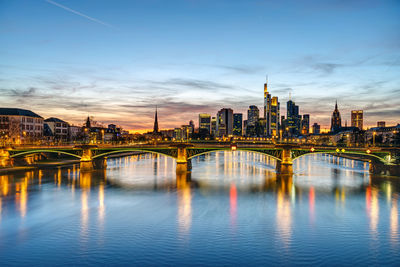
379, 168
285, 166
5, 159
86, 163
183, 164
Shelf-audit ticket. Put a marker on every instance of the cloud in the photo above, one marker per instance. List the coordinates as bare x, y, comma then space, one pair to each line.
79, 13
326, 68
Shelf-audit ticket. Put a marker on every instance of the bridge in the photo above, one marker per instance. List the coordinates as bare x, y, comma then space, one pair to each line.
382, 161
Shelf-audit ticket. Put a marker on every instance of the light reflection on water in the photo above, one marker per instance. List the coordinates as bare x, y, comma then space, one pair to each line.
232, 209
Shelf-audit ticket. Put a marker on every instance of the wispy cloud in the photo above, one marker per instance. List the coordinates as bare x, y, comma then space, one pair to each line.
79, 13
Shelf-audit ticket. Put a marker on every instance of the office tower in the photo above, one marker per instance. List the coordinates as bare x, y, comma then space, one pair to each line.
336, 121
245, 128
305, 124
316, 128
381, 124
238, 124
191, 127
274, 124
293, 118
252, 115
213, 126
224, 122
357, 119
205, 122
267, 110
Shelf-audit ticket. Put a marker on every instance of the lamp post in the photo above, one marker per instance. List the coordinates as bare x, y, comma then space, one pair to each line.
373, 139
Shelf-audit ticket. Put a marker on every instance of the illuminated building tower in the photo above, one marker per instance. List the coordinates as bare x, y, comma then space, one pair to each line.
336, 122
267, 110
155, 130
305, 124
253, 115
205, 122
238, 124
357, 119
224, 122
274, 124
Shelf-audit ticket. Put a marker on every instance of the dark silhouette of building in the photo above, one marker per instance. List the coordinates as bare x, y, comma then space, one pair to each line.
155, 129
336, 121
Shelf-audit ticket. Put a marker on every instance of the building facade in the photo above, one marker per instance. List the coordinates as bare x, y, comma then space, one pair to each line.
205, 122
357, 119
20, 126
58, 128
238, 124
224, 122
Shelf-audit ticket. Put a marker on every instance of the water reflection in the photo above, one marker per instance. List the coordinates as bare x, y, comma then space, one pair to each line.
184, 195
284, 210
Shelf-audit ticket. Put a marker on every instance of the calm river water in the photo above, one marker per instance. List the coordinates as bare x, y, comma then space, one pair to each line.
232, 210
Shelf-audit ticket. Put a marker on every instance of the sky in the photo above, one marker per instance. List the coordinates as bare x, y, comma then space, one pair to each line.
117, 60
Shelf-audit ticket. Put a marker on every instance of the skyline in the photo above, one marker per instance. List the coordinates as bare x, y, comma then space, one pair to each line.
116, 61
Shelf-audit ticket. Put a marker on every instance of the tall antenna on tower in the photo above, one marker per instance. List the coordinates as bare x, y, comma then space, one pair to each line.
266, 78
290, 95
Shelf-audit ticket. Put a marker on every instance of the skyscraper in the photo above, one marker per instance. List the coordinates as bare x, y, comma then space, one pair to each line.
267, 109
213, 126
224, 122
238, 124
205, 122
253, 115
305, 124
336, 121
357, 119
274, 124
293, 118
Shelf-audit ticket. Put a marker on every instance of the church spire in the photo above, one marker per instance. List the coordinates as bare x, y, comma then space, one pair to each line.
155, 130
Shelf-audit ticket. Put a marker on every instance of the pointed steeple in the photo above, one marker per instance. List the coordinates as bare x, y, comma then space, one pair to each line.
88, 122
155, 130
336, 105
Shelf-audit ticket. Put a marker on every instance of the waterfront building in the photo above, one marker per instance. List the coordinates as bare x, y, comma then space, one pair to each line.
238, 124
305, 124
224, 122
336, 121
357, 119
205, 122
178, 134
58, 129
381, 124
316, 128
18, 126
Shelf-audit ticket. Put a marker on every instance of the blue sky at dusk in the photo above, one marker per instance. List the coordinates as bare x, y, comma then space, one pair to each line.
116, 60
